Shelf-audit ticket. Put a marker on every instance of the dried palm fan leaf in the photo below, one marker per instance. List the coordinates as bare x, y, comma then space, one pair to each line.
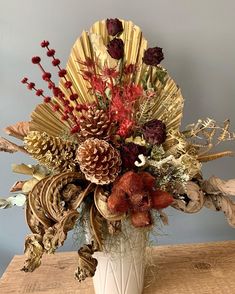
167, 104
43, 119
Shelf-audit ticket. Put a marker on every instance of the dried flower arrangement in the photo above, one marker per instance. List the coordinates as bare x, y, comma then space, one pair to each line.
108, 141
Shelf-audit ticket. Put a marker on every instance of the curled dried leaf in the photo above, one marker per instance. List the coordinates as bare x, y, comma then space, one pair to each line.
56, 235
96, 226
222, 203
190, 199
100, 198
86, 263
215, 185
33, 251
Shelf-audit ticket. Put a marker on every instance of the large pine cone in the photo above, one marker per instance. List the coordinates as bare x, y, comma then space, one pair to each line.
54, 152
95, 123
99, 161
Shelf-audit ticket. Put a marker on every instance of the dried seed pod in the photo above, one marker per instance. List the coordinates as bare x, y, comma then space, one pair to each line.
99, 161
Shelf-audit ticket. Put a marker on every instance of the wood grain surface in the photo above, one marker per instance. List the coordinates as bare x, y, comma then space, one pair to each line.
207, 268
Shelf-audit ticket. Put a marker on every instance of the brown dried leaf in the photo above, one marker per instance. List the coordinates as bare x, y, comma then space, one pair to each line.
22, 169
222, 203
86, 263
33, 251
19, 130
215, 185
10, 147
17, 186
195, 199
96, 223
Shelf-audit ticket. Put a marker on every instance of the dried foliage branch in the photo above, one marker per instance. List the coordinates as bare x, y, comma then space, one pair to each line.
207, 134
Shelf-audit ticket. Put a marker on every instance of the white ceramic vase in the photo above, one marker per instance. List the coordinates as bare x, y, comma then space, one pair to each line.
121, 269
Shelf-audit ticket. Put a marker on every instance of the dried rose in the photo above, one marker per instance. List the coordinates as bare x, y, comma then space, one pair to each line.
129, 154
154, 131
114, 26
153, 56
115, 48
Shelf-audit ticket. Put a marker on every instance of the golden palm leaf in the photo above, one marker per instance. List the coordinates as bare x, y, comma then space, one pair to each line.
167, 104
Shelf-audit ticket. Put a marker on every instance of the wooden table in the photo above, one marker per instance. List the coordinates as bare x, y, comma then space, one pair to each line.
193, 269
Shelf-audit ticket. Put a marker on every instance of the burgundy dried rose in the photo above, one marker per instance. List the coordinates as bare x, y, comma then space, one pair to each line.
114, 26
115, 48
129, 154
154, 131
153, 56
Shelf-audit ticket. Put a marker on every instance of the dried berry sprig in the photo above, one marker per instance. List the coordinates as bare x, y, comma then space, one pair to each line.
61, 71
67, 110
47, 99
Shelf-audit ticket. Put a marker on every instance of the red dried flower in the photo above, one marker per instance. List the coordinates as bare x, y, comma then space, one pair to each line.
125, 127
36, 59
114, 26
154, 131
44, 44
153, 56
115, 48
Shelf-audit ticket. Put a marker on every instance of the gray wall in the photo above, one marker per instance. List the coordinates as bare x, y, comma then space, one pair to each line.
198, 38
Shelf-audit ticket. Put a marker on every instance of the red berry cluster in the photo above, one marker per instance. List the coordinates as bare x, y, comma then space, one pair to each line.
66, 110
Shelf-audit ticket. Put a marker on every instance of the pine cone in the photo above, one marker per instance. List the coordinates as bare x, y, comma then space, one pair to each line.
99, 161
54, 152
95, 123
